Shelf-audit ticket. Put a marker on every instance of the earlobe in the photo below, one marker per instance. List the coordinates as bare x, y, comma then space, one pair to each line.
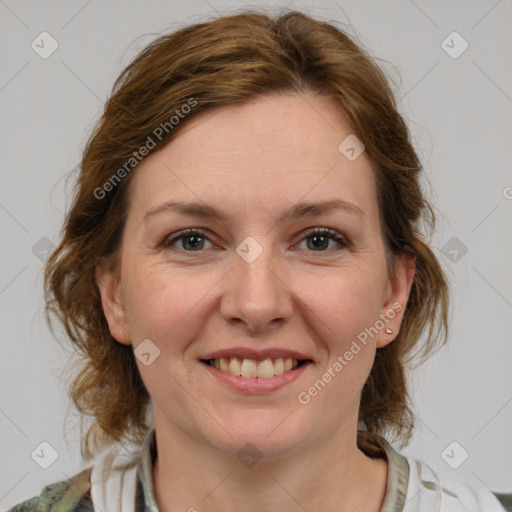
109, 287
398, 290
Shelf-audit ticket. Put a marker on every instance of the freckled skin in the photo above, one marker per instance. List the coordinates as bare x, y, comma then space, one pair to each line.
256, 161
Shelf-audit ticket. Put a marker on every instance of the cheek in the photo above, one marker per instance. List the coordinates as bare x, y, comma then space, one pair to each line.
346, 305
161, 305
348, 308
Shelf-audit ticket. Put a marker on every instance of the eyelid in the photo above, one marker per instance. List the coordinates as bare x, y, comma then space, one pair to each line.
325, 231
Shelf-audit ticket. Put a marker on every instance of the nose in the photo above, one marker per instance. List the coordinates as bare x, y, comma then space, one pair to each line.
256, 293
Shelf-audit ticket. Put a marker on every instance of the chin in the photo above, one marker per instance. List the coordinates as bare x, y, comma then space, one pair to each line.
258, 439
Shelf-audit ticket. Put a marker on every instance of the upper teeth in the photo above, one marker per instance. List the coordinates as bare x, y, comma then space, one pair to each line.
250, 368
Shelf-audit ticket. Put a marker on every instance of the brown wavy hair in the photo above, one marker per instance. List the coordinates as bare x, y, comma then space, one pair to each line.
223, 61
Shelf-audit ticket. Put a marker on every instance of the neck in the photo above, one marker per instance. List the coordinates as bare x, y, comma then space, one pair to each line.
332, 476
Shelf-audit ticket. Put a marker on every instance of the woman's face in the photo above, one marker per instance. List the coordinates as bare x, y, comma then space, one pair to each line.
255, 277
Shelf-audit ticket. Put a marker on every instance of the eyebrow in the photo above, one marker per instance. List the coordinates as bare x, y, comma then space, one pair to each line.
302, 209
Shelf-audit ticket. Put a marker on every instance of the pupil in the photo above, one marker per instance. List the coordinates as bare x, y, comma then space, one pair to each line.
192, 237
316, 238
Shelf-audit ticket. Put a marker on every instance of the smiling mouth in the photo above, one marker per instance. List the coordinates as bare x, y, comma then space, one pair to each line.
250, 368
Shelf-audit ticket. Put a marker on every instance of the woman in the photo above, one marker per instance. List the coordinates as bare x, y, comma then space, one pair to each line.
243, 271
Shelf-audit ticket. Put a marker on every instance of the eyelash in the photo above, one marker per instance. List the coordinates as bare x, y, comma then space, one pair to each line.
325, 232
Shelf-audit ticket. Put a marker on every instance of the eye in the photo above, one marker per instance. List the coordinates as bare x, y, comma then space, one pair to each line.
320, 238
192, 240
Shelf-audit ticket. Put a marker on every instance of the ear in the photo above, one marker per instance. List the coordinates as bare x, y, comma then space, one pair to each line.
396, 296
111, 300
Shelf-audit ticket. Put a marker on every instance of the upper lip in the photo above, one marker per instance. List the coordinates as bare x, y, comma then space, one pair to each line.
256, 355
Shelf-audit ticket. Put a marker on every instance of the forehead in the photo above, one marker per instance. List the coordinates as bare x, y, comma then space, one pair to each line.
273, 150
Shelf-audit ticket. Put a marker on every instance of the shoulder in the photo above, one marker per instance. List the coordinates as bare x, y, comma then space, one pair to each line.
473, 496
70, 495
430, 490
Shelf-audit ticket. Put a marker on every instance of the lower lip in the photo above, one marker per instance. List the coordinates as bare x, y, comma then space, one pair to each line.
256, 385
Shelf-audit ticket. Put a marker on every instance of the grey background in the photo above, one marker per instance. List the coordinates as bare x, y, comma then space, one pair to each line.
459, 111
